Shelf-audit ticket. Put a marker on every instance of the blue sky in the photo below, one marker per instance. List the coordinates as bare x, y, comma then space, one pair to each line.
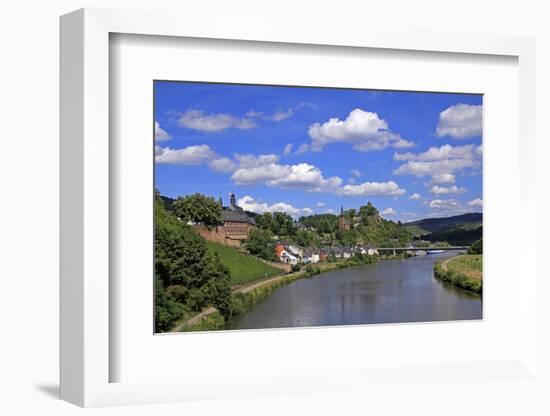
313, 150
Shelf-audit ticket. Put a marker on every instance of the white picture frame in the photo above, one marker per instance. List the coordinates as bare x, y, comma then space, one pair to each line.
86, 355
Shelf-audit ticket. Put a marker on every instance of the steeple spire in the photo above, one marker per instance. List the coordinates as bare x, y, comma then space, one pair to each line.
232, 200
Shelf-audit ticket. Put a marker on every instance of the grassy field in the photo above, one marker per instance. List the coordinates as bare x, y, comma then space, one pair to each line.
243, 267
465, 271
469, 264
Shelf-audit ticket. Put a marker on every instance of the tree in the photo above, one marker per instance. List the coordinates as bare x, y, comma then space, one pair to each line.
167, 310
368, 214
199, 209
346, 237
284, 225
187, 276
322, 223
265, 221
218, 288
306, 238
350, 214
477, 247
260, 243
178, 250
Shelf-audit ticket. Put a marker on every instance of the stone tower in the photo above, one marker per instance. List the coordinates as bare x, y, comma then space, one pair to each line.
343, 223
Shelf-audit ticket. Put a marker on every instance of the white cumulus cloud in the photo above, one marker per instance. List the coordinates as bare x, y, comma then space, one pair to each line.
222, 164
364, 130
197, 120
372, 189
460, 121
160, 134
280, 115
442, 178
191, 155
415, 196
288, 149
388, 212
248, 203
478, 203
301, 176
442, 190
439, 162
445, 204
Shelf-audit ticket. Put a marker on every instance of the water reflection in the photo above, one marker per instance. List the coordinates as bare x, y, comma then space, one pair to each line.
386, 292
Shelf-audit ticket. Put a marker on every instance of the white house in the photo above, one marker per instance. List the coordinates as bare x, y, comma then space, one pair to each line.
310, 257
286, 257
295, 251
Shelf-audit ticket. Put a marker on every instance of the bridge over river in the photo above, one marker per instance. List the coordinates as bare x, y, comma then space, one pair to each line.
422, 248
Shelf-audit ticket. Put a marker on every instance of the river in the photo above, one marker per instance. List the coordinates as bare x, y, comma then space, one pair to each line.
389, 291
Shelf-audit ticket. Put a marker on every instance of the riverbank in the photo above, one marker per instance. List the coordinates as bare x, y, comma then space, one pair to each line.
244, 297
463, 271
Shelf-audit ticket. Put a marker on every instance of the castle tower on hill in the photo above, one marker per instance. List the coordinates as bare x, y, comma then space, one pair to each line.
343, 222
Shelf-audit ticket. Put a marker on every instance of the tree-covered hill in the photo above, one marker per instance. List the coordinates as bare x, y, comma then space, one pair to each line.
456, 230
432, 225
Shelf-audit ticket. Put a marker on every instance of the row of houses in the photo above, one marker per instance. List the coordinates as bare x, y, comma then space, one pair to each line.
294, 254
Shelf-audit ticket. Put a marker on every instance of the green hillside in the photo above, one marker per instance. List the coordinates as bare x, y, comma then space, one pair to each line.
433, 225
458, 230
462, 235
243, 267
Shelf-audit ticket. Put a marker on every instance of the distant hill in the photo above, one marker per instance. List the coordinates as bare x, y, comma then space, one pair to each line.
456, 230
456, 236
432, 225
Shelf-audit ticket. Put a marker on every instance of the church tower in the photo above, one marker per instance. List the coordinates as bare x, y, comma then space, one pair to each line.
342, 222
232, 201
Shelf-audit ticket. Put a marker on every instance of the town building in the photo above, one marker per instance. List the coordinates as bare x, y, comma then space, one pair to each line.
234, 227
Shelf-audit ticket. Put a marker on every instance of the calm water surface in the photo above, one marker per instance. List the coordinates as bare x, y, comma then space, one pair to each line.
386, 292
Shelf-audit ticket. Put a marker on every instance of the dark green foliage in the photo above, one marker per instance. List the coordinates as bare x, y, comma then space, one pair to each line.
347, 238
284, 225
368, 214
458, 236
188, 277
167, 309
323, 223
295, 268
178, 250
477, 247
199, 209
278, 223
384, 233
312, 270
260, 243
265, 221
305, 238
217, 287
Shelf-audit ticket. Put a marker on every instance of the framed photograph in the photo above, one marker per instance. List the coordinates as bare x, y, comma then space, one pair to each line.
321, 199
